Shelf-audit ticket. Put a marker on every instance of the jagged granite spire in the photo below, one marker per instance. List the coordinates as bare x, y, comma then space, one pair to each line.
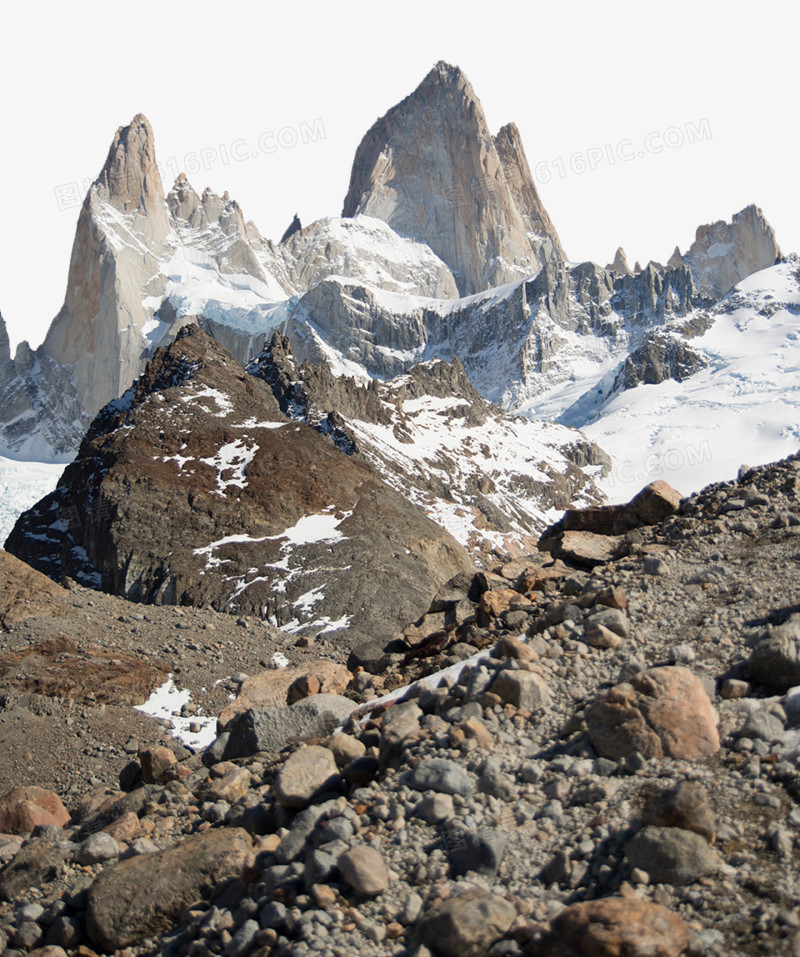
431, 170
99, 328
294, 227
725, 253
508, 143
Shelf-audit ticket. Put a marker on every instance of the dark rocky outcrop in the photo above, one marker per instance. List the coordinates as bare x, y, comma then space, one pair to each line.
194, 489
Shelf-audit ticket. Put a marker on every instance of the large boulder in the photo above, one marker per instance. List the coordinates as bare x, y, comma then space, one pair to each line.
616, 926
146, 895
24, 808
660, 712
271, 729
775, 660
466, 925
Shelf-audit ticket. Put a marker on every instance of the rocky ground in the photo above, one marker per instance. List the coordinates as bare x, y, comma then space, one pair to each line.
617, 775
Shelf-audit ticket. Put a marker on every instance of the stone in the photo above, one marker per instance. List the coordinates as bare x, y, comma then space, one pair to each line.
345, 748
617, 926
686, 806
271, 729
97, 849
126, 828
37, 859
365, 870
775, 660
671, 855
465, 925
511, 647
156, 762
435, 808
479, 849
495, 603
242, 941
400, 727
585, 549
442, 775
231, 787
763, 726
661, 712
270, 689
476, 730
611, 618
522, 689
24, 808
598, 636
306, 773
144, 896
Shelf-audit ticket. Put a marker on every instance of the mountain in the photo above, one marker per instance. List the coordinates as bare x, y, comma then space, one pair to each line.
431, 169
491, 479
194, 489
437, 208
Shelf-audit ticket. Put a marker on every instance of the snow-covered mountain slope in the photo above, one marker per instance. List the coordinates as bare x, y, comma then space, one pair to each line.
741, 407
491, 479
22, 484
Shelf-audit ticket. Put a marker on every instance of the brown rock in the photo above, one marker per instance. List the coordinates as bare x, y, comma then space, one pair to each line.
617, 927
476, 729
512, 647
686, 806
655, 502
270, 689
365, 870
155, 762
345, 748
598, 636
125, 828
146, 895
466, 925
23, 809
494, 603
586, 549
231, 787
35, 861
26, 593
664, 711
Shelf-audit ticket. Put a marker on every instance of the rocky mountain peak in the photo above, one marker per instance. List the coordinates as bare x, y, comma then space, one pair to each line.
5, 345
294, 227
508, 143
725, 253
130, 177
431, 170
619, 266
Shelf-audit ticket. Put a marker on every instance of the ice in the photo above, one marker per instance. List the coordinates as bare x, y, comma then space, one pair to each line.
22, 484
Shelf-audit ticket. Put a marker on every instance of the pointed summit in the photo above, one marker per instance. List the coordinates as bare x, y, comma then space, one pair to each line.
99, 328
130, 179
431, 170
620, 265
5, 345
518, 174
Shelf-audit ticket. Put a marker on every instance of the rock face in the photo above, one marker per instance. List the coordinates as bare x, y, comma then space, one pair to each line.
725, 253
660, 358
194, 489
100, 329
42, 412
431, 170
489, 476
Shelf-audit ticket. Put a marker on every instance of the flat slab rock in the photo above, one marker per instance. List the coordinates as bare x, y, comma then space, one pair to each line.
146, 895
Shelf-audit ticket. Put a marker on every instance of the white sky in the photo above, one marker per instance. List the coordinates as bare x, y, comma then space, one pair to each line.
575, 77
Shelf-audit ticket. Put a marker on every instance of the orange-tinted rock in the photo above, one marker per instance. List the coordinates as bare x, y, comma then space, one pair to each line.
664, 711
155, 762
617, 927
271, 689
23, 809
